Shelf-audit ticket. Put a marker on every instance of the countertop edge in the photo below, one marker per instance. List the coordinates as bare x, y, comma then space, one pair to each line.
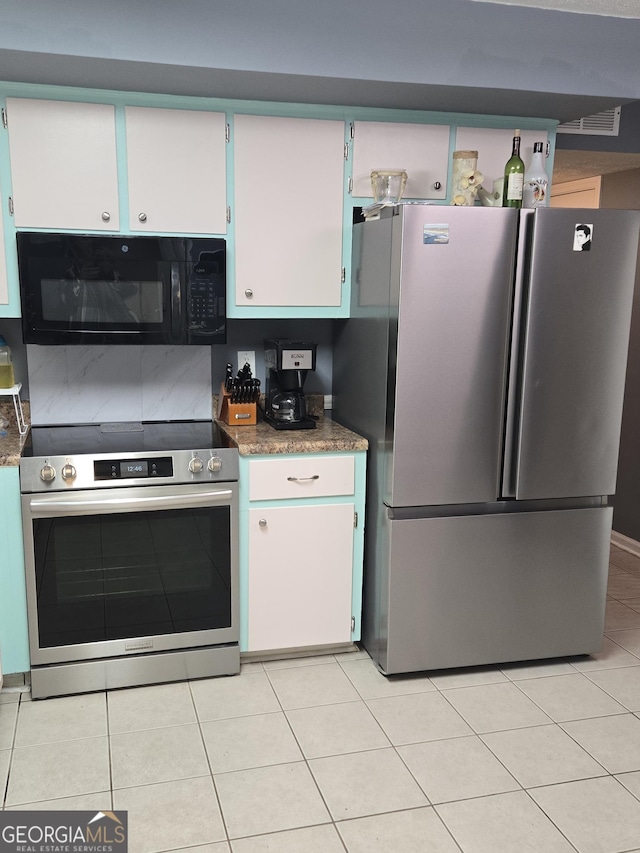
261, 439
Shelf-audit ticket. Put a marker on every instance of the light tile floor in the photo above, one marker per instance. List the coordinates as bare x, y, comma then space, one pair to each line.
325, 755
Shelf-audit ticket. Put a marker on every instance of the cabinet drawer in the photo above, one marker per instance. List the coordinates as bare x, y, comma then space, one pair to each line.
312, 477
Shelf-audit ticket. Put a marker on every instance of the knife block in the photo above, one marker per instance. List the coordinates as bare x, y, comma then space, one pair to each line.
236, 414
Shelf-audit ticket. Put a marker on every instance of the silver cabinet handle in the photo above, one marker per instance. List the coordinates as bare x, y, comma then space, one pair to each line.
106, 216
437, 185
303, 479
142, 217
263, 522
248, 293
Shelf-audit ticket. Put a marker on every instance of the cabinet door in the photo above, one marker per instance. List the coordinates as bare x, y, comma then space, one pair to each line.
422, 150
289, 180
494, 148
63, 164
176, 170
300, 576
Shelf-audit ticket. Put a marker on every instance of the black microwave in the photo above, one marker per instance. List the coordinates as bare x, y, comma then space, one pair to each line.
114, 289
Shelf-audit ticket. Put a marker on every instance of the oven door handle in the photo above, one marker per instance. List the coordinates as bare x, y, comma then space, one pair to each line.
53, 505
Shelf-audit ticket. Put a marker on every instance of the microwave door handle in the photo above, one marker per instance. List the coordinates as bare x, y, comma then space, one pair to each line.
176, 302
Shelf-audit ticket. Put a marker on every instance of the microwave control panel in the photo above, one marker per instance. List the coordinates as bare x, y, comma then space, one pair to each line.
205, 305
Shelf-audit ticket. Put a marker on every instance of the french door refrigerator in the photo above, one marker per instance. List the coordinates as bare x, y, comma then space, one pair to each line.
485, 362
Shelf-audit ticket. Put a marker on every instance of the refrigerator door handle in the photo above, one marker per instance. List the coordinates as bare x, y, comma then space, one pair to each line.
516, 357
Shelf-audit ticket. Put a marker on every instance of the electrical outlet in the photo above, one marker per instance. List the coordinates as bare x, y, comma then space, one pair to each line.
245, 356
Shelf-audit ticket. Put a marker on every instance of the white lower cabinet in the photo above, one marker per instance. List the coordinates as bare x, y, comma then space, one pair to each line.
301, 550
300, 581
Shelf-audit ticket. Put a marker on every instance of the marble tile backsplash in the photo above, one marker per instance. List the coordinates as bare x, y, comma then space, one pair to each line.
100, 384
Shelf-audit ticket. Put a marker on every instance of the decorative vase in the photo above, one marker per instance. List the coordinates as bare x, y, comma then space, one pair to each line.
465, 178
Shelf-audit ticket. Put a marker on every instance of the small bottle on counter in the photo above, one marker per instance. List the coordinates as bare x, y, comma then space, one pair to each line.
7, 378
536, 180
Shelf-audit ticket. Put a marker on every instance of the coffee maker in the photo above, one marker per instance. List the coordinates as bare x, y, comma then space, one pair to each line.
287, 364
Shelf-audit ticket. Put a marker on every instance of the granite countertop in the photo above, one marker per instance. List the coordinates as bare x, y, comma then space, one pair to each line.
12, 443
327, 437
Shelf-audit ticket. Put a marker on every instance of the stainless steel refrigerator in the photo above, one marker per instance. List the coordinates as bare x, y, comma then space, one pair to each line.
485, 362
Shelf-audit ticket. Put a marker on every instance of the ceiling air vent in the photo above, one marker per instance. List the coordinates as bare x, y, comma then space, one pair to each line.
600, 124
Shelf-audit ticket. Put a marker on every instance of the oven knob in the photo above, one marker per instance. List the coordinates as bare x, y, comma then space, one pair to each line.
47, 473
215, 464
68, 471
196, 465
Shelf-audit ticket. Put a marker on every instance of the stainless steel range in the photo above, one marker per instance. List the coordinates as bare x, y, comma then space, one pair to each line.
131, 554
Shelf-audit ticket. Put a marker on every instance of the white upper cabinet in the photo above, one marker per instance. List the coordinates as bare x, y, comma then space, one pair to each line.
422, 150
63, 164
287, 212
494, 148
176, 168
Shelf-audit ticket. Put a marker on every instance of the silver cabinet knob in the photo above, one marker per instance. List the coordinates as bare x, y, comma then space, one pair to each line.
263, 522
248, 293
437, 185
47, 473
196, 465
142, 217
68, 471
106, 216
214, 464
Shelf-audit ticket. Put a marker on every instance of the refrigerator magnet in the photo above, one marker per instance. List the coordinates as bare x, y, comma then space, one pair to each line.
438, 233
582, 237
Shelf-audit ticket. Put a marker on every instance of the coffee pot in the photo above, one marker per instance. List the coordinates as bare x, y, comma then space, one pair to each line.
287, 363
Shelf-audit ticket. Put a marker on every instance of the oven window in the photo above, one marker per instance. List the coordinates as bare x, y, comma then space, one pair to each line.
127, 575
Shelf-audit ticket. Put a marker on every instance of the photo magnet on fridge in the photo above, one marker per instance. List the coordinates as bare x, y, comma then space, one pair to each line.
582, 237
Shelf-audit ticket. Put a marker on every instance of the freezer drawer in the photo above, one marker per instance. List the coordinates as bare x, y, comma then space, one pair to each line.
461, 591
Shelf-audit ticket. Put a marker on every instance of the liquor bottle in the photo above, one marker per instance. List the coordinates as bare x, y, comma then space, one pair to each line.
513, 176
536, 181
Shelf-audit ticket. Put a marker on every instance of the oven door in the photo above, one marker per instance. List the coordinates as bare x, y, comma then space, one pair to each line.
112, 572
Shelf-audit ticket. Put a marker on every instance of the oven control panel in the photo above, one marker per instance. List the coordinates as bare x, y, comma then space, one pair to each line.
119, 469
112, 470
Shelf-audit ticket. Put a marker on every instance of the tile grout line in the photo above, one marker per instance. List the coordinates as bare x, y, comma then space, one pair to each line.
211, 774
305, 759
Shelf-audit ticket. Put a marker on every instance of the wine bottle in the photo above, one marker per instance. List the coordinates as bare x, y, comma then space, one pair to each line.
513, 176
536, 181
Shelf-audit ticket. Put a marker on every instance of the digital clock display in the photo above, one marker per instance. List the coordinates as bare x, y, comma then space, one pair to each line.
122, 469
137, 468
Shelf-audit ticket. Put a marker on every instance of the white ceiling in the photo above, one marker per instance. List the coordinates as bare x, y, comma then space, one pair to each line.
614, 8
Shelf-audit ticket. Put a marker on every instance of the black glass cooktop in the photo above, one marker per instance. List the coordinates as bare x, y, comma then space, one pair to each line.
127, 437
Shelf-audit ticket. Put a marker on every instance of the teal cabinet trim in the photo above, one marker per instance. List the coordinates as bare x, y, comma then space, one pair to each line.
14, 636
347, 113
12, 307
121, 164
